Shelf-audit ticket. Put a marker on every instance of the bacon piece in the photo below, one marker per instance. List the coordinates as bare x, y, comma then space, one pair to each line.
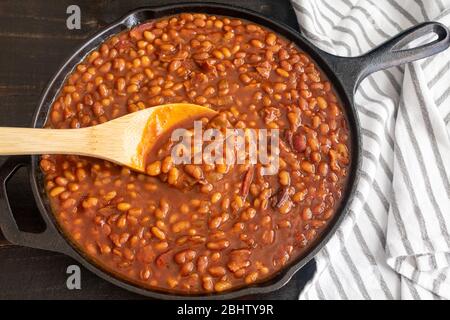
299, 142
248, 178
280, 198
264, 69
289, 136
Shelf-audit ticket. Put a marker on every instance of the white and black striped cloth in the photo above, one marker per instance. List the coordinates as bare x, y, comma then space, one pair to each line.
395, 243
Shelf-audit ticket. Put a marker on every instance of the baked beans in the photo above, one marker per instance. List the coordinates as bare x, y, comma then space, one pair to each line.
200, 228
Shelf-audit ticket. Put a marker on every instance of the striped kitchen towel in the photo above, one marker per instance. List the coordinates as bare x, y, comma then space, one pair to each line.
395, 243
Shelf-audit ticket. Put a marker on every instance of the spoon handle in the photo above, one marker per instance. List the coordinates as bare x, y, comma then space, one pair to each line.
22, 141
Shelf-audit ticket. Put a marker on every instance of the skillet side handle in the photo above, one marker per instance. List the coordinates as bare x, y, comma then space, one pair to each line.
47, 240
391, 53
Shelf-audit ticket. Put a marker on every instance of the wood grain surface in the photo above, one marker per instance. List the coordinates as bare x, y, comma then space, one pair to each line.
34, 41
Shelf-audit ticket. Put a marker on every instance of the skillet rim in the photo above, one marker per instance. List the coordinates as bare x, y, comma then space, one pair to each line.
132, 18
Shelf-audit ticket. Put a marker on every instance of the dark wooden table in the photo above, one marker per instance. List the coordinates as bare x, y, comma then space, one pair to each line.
34, 40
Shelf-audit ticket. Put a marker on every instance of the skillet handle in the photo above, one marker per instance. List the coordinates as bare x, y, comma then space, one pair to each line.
391, 53
47, 240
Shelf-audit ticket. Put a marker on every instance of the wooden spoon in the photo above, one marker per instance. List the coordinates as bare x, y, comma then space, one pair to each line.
123, 140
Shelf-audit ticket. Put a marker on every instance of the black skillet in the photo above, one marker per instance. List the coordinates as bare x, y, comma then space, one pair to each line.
345, 74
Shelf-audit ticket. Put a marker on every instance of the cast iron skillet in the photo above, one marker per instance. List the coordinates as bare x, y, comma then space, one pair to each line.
344, 73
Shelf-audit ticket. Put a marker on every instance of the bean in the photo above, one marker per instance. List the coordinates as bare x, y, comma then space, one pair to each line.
215, 222
266, 220
128, 254
310, 234
306, 214
167, 164
207, 283
284, 178
328, 214
201, 56
218, 24
228, 35
68, 203
154, 168
323, 169
155, 90
105, 249
238, 264
286, 65
271, 39
216, 197
238, 202
299, 196
225, 203
173, 176
317, 86
167, 47
185, 256
61, 181
47, 165
226, 52
81, 174
110, 195
286, 207
90, 202
324, 128
149, 36
174, 65
136, 63
172, 283
268, 236
313, 144
135, 212
248, 214
65, 195
199, 22
322, 103
218, 245
217, 271
307, 167
73, 187
98, 109
180, 226
257, 43
282, 73
57, 191
187, 268
202, 263
222, 168
123, 206
195, 171
91, 249
132, 88
285, 224
280, 87
245, 78
251, 277
206, 188
145, 273
218, 54
158, 233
